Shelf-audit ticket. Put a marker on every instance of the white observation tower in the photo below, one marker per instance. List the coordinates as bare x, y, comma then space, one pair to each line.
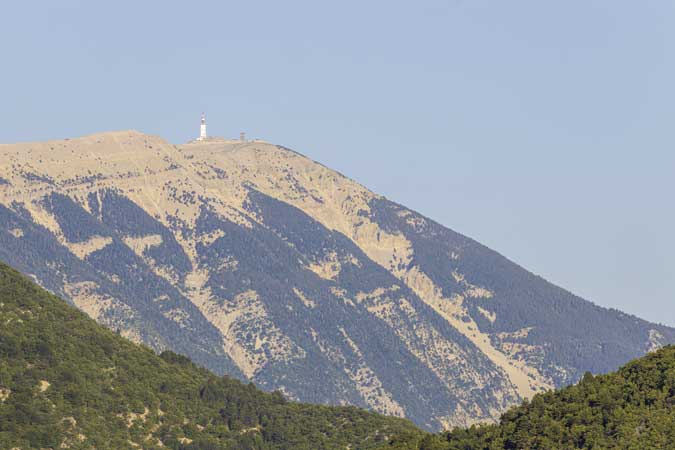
202, 129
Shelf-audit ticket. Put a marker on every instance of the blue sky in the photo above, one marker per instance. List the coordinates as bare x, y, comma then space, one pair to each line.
542, 129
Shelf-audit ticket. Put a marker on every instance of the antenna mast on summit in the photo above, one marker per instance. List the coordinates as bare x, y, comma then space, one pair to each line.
202, 129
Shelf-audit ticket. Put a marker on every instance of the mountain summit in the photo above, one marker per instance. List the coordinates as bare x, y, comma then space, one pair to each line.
258, 262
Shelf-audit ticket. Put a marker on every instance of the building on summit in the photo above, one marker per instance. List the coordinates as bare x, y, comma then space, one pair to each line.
202, 129
203, 137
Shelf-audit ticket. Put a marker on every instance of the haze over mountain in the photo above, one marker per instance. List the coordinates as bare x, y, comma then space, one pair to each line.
260, 263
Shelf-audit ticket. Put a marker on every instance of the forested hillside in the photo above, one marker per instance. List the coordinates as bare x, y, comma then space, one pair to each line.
66, 382
633, 408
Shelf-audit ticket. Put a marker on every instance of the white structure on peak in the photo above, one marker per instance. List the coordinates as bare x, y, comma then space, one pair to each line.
206, 139
202, 129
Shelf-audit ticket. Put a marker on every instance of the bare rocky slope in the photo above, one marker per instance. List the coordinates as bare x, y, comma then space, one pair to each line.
258, 262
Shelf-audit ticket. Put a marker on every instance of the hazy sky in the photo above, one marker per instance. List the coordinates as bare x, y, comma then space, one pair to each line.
543, 129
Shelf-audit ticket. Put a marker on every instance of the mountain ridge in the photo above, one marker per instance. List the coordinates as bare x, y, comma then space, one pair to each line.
259, 262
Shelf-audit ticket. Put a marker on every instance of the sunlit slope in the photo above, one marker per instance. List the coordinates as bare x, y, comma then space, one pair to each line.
259, 262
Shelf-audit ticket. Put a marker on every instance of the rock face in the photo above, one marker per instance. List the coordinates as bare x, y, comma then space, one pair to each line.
257, 262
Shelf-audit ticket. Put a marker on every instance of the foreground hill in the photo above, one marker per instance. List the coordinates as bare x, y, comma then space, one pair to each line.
66, 382
633, 408
260, 263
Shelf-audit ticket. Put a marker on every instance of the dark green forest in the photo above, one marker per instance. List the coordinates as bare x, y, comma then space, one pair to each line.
67, 382
628, 409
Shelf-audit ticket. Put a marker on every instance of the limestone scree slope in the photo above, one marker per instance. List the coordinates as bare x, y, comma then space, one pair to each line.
258, 262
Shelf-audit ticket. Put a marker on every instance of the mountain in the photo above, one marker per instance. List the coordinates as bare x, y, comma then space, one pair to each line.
260, 263
67, 382
629, 409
